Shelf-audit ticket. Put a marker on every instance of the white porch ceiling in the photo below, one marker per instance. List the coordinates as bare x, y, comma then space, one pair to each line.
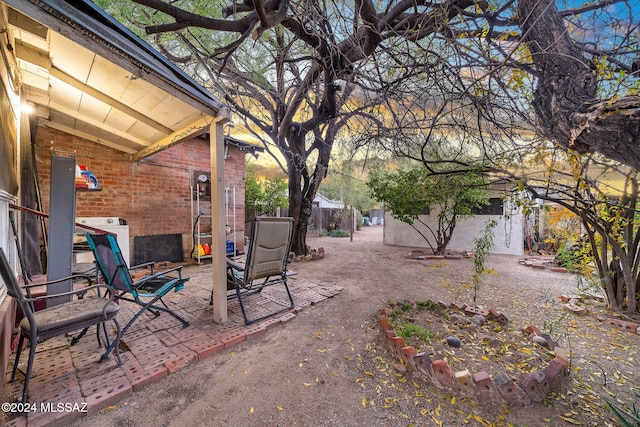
92, 78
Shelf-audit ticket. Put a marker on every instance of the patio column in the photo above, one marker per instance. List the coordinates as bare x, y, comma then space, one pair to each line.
218, 234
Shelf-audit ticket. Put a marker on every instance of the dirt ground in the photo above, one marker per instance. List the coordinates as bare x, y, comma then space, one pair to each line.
328, 367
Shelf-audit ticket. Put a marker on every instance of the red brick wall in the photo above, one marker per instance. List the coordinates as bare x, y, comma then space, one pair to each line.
152, 195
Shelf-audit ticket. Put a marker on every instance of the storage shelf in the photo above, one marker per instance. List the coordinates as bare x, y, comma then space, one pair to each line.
198, 237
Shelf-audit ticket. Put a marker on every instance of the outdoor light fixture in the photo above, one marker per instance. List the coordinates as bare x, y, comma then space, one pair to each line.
27, 108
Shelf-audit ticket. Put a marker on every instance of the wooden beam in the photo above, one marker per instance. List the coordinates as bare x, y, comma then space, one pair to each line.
32, 55
196, 128
218, 222
62, 76
85, 135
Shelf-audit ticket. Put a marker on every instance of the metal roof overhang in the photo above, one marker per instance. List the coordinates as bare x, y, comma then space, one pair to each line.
89, 76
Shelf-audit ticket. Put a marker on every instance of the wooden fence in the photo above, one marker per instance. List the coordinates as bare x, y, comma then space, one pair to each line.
325, 219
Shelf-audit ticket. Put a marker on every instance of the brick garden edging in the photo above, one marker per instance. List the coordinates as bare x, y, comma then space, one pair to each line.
528, 388
623, 325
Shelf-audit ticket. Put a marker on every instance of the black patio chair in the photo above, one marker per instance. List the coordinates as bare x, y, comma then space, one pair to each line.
145, 292
266, 264
36, 326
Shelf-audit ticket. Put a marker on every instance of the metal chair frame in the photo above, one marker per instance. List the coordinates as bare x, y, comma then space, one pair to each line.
60, 319
145, 292
267, 258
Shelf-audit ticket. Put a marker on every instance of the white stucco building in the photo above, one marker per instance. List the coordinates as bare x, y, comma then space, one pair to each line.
509, 231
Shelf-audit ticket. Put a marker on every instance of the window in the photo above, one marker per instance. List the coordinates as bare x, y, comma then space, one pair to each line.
493, 208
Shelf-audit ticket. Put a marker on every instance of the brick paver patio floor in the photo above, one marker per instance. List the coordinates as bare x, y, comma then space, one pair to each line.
69, 381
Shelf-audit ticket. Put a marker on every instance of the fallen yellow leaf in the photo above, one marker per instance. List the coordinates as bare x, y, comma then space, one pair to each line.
571, 420
482, 421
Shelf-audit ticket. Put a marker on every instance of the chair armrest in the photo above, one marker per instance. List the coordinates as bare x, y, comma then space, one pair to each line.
80, 291
151, 264
172, 269
162, 273
234, 265
89, 279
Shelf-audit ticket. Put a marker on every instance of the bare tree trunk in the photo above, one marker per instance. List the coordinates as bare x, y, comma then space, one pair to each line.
566, 82
627, 284
300, 210
606, 270
565, 99
303, 185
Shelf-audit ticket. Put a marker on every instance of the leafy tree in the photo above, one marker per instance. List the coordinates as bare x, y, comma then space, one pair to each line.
301, 72
347, 183
252, 191
604, 195
412, 192
283, 85
264, 196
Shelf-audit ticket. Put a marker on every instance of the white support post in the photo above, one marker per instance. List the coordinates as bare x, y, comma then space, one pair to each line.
218, 234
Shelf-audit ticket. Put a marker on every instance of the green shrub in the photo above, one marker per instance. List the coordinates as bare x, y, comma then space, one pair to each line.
408, 330
569, 258
433, 307
334, 233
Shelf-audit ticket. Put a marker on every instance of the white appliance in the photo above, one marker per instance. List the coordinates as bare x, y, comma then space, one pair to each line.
110, 224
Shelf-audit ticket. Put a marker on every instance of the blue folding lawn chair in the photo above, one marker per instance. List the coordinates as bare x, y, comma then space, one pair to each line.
145, 292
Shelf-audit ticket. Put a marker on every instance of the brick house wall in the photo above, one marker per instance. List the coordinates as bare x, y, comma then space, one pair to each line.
153, 195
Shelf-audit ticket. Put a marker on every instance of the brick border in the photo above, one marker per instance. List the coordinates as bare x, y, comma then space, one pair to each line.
527, 389
623, 325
